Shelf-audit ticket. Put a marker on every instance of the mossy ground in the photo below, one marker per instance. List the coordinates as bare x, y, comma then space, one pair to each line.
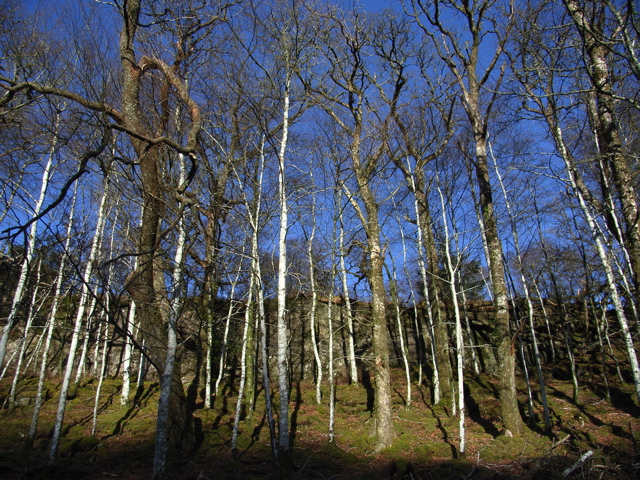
426, 445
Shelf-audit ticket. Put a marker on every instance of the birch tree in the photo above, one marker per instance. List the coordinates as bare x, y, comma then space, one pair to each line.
451, 269
590, 20
479, 83
345, 101
25, 266
51, 321
547, 102
86, 292
149, 136
168, 378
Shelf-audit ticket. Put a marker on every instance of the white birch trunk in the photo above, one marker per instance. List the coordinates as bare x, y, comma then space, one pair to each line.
243, 356
85, 342
603, 358
474, 357
142, 368
265, 368
467, 322
33, 310
101, 374
396, 303
130, 332
314, 295
86, 279
353, 370
425, 293
332, 384
128, 354
209, 367
162, 422
459, 336
283, 343
51, 324
223, 352
26, 263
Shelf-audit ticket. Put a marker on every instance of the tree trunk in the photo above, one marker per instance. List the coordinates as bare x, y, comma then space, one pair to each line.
52, 322
29, 251
86, 279
353, 369
606, 127
283, 341
506, 344
172, 410
32, 312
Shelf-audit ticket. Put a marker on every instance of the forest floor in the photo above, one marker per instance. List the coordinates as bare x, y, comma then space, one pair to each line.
426, 447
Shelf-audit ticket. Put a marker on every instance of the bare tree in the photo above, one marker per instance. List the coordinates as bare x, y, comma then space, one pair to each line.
345, 100
478, 84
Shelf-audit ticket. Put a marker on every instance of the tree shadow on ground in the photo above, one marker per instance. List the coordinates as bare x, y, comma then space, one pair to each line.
294, 415
473, 409
445, 434
560, 394
624, 401
366, 383
404, 401
139, 401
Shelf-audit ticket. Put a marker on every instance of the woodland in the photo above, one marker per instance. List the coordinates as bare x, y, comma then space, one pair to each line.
312, 239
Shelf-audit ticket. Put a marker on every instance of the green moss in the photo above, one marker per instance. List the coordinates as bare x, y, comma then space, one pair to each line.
70, 447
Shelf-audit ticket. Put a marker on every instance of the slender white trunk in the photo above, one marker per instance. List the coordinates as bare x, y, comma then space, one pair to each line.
603, 358
225, 338
314, 295
459, 336
527, 295
353, 369
84, 295
101, 374
266, 383
474, 357
425, 293
209, 367
606, 264
283, 342
243, 356
85, 342
332, 384
130, 333
467, 323
33, 310
128, 354
162, 422
51, 324
142, 368
403, 347
26, 262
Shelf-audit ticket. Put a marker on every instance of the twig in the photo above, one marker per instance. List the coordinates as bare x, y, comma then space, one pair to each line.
580, 461
560, 442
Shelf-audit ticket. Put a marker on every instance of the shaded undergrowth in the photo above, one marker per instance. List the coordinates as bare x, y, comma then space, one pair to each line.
427, 445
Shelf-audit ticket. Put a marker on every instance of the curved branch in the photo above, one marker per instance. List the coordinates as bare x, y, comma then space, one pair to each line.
13, 87
82, 169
